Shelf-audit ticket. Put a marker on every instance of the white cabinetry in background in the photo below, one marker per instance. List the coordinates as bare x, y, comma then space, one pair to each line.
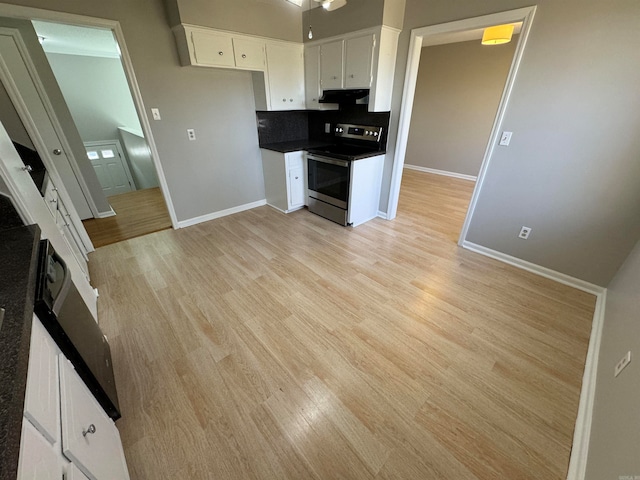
284, 180
277, 66
363, 59
285, 73
58, 416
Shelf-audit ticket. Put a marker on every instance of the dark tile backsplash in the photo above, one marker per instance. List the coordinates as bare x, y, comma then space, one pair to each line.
276, 127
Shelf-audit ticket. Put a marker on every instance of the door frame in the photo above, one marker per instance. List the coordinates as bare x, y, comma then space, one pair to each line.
418, 36
125, 163
29, 13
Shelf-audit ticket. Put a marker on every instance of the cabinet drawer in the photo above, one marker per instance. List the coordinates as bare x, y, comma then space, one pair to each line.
249, 54
212, 49
41, 405
99, 454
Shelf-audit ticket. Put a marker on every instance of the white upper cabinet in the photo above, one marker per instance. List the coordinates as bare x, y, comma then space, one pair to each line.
249, 54
363, 59
358, 61
312, 88
332, 65
212, 49
278, 66
285, 70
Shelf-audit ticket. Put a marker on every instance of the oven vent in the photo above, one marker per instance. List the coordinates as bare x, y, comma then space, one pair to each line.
346, 97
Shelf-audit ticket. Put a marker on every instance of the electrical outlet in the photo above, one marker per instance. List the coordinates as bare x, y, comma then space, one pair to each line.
191, 134
156, 114
524, 233
505, 138
624, 361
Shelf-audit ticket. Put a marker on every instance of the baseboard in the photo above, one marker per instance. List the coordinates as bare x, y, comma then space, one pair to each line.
582, 431
383, 215
221, 213
440, 172
537, 269
110, 213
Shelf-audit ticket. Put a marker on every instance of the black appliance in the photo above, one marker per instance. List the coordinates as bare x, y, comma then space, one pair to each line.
68, 320
329, 168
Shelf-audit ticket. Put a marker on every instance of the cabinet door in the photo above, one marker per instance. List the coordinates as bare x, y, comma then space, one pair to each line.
73, 473
296, 187
312, 77
359, 61
331, 65
41, 405
99, 454
285, 65
249, 54
38, 459
212, 49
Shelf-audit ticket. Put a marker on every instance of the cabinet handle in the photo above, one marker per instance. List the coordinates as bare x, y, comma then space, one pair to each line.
53, 201
57, 151
220, 53
91, 429
27, 168
244, 56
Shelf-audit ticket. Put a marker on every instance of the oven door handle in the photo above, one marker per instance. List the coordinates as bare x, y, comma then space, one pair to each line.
332, 161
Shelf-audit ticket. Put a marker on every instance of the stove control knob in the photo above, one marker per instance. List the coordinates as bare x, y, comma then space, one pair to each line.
375, 134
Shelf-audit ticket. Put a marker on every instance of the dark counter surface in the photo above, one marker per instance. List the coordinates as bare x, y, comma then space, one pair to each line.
293, 146
18, 265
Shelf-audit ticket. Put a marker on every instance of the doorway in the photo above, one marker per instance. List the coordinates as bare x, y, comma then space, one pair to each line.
443, 34
16, 13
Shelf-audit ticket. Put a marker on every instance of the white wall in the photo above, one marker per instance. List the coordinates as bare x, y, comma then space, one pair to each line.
615, 432
458, 91
97, 94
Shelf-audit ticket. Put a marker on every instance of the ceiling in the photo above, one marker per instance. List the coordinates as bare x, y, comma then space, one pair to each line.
464, 36
74, 40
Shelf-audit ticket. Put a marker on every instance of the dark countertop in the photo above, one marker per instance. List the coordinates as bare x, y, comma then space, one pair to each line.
18, 265
293, 146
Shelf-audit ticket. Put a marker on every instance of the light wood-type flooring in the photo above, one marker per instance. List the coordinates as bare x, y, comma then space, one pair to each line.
270, 346
137, 213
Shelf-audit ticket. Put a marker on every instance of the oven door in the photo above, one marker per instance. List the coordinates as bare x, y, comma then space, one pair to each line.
329, 180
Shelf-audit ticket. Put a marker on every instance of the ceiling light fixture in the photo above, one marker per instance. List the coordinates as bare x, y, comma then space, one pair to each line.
497, 35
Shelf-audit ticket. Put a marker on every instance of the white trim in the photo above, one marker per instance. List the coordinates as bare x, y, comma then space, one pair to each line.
537, 269
584, 420
110, 213
221, 213
440, 172
29, 13
413, 60
382, 215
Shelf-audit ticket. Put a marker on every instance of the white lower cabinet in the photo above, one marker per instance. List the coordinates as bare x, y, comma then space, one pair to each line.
38, 459
64, 429
364, 189
90, 439
285, 183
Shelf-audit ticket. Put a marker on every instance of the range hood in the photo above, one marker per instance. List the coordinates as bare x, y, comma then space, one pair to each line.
346, 97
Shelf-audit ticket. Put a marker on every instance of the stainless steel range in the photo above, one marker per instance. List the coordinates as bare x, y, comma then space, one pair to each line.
330, 172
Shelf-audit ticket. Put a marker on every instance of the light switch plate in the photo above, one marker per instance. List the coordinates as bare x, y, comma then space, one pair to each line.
156, 114
505, 138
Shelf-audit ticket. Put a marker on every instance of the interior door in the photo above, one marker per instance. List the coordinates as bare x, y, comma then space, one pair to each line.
111, 167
